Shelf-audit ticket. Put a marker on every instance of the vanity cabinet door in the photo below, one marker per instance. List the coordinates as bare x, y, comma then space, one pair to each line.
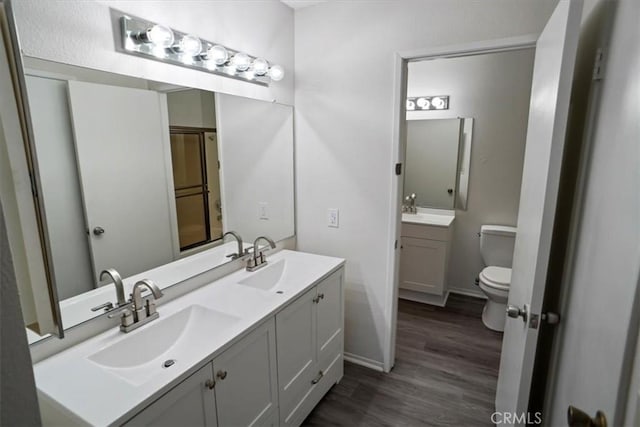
246, 383
191, 403
297, 364
422, 265
330, 315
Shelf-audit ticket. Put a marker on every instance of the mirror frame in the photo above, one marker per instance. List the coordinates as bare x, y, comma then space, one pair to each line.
53, 325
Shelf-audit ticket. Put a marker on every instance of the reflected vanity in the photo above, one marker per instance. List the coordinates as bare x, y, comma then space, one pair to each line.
438, 154
146, 177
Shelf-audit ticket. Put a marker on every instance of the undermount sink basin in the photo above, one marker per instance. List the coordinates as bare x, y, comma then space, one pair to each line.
267, 277
142, 354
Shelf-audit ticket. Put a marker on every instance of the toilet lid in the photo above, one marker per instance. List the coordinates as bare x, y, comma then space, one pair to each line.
496, 277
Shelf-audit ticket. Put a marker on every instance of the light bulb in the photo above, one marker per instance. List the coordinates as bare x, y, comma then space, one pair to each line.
241, 61
276, 73
411, 105
189, 45
423, 103
260, 66
158, 35
218, 54
438, 103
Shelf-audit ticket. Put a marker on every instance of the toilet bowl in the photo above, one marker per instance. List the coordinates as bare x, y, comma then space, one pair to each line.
496, 248
494, 282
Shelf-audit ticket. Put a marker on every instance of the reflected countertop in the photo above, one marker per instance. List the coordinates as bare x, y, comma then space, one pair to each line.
428, 216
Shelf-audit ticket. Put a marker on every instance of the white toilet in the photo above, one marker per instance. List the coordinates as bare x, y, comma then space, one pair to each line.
496, 248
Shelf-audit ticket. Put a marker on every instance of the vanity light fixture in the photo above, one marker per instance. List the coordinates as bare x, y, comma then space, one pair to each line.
153, 41
417, 103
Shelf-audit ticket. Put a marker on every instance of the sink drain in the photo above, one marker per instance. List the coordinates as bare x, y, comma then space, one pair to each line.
168, 363
280, 292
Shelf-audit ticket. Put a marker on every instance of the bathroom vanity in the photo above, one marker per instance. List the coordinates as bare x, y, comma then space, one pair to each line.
252, 348
425, 244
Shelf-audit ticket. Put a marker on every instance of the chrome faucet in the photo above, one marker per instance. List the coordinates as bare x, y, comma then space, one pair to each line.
142, 310
117, 281
239, 239
410, 204
258, 259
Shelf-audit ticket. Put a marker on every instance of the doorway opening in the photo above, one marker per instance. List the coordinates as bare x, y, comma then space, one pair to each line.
463, 166
194, 156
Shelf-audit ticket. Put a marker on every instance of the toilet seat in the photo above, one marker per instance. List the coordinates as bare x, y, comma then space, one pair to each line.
496, 277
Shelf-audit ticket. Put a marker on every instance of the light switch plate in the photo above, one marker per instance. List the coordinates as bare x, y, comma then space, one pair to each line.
263, 210
333, 217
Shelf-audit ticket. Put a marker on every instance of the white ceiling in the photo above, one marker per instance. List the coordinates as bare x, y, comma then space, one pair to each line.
299, 4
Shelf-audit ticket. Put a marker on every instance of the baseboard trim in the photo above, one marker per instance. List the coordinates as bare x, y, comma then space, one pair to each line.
363, 361
469, 293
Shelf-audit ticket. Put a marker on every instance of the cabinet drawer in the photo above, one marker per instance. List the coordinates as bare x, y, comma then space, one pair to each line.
425, 232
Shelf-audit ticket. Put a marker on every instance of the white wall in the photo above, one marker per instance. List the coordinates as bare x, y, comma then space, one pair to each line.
603, 277
60, 182
256, 166
494, 89
191, 108
80, 33
344, 122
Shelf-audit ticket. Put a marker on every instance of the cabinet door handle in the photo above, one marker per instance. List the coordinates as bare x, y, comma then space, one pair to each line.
320, 296
210, 384
221, 374
318, 377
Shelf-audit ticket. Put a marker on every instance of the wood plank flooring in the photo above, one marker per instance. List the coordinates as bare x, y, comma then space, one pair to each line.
445, 374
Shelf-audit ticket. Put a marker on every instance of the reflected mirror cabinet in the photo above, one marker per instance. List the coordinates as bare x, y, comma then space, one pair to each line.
139, 175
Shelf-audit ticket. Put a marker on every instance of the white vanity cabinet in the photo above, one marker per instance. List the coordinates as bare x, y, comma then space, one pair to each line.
237, 389
190, 403
424, 257
275, 375
310, 342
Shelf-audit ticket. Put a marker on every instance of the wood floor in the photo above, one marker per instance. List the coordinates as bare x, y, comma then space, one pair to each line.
445, 374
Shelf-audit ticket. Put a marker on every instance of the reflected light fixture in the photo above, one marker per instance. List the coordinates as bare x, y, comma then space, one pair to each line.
161, 43
417, 103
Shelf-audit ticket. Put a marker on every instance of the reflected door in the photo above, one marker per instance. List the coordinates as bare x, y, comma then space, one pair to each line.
120, 145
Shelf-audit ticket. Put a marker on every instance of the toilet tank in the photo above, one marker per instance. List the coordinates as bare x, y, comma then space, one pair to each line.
496, 245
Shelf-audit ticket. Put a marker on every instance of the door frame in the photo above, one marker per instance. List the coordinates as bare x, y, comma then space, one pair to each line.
401, 60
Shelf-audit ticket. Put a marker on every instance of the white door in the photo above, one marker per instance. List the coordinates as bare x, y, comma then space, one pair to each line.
550, 91
120, 138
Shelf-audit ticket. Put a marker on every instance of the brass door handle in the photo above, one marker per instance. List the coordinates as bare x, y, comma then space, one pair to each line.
578, 418
210, 384
221, 374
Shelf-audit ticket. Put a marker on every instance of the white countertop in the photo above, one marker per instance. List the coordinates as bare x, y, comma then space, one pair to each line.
72, 382
435, 217
77, 309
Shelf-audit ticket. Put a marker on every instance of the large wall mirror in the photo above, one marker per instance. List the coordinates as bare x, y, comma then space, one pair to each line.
438, 154
139, 175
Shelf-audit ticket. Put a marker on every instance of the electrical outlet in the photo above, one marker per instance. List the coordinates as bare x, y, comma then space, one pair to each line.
333, 217
263, 211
